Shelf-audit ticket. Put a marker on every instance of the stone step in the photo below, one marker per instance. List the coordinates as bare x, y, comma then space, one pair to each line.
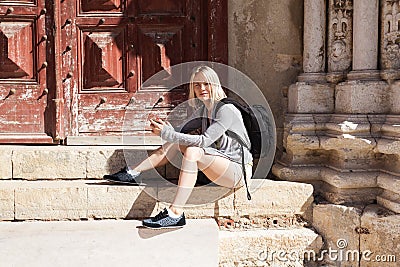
390, 196
125, 243
67, 162
85, 199
268, 247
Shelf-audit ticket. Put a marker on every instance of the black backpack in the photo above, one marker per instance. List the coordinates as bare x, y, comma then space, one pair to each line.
258, 126
259, 130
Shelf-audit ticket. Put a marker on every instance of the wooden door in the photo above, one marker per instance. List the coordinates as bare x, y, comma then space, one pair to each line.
24, 87
111, 47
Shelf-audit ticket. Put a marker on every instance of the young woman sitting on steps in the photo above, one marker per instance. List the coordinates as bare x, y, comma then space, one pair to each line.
216, 154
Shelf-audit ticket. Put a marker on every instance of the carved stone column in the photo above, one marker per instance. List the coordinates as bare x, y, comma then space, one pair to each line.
314, 39
364, 92
390, 40
312, 94
340, 39
365, 35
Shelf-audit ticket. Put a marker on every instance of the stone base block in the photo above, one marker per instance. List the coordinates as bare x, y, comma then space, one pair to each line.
387, 146
262, 247
389, 182
335, 186
362, 97
395, 97
381, 236
389, 200
311, 98
297, 174
349, 180
349, 195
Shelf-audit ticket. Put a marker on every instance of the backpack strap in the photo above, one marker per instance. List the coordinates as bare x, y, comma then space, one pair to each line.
242, 144
244, 174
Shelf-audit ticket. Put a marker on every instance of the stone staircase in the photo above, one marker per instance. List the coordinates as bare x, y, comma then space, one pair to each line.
57, 183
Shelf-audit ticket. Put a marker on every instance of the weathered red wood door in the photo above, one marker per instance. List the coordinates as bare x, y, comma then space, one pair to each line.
23, 72
111, 47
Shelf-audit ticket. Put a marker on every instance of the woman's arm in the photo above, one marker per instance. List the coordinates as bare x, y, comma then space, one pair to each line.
222, 122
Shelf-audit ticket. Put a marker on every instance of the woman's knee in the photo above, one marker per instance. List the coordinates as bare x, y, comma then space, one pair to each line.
193, 153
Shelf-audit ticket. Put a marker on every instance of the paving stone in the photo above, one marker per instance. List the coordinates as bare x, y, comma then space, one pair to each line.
108, 243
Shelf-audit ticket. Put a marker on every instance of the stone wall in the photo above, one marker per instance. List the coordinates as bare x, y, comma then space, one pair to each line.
265, 43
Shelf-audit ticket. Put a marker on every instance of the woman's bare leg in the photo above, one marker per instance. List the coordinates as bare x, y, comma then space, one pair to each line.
218, 169
158, 158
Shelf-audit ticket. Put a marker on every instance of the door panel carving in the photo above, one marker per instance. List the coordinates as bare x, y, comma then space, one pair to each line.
102, 59
161, 47
23, 72
101, 5
16, 50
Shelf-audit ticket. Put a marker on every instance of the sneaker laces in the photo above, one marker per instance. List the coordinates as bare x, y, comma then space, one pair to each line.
161, 215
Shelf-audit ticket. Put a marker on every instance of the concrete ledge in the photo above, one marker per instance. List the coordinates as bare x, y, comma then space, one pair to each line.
256, 248
108, 243
83, 199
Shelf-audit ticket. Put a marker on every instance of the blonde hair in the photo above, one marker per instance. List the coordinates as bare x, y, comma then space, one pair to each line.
216, 92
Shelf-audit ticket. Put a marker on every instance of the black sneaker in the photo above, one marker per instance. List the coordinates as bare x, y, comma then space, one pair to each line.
123, 177
163, 220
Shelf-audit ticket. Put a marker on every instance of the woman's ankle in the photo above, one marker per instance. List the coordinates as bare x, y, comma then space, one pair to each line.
175, 210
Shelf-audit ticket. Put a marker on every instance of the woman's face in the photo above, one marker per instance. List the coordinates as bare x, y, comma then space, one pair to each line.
202, 89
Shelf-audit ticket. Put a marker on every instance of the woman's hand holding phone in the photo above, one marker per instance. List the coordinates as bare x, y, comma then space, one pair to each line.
157, 125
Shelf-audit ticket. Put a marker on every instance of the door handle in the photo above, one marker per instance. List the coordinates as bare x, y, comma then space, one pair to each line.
102, 101
10, 93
